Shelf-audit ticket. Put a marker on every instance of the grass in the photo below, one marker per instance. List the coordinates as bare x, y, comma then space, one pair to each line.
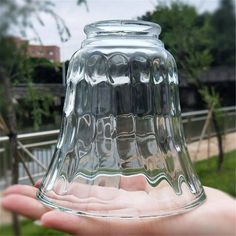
224, 180
28, 228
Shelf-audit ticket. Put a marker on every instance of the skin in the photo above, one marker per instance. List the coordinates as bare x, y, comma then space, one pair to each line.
217, 216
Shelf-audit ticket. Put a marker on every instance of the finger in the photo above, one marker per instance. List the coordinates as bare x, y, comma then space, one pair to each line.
24, 205
78, 225
61, 221
37, 183
25, 190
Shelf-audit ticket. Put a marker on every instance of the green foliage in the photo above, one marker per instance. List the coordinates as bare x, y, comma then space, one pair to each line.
30, 229
14, 65
45, 71
19, 69
212, 100
223, 180
211, 97
208, 37
14, 61
21, 14
185, 36
190, 38
223, 23
37, 105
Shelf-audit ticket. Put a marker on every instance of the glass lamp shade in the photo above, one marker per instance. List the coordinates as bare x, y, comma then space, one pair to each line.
121, 151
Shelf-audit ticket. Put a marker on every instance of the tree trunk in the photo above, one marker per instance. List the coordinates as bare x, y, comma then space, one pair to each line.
217, 130
10, 117
219, 142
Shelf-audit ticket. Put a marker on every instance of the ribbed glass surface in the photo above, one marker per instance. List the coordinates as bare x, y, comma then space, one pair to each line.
121, 150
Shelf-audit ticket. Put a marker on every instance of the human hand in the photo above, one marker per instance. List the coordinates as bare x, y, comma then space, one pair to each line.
217, 216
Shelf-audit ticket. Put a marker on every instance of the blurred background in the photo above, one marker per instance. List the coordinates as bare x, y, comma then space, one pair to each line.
37, 39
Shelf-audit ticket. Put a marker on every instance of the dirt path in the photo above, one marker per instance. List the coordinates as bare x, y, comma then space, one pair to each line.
229, 145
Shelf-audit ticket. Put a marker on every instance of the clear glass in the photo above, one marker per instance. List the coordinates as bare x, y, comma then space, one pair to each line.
121, 150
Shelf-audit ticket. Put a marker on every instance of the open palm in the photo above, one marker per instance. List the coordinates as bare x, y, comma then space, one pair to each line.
215, 217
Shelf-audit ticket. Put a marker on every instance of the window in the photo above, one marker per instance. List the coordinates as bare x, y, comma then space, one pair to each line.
40, 52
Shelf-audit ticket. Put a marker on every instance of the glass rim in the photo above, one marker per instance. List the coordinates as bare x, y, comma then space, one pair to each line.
122, 28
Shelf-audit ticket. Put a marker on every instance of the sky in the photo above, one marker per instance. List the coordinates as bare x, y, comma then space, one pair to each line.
76, 17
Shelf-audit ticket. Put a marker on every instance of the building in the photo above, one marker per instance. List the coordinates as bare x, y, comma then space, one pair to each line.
221, 79
50, 52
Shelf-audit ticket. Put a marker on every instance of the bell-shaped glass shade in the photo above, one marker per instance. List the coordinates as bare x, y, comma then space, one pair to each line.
121, 150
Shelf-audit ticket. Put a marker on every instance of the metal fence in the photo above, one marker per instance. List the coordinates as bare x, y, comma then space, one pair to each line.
37, 148
193, 123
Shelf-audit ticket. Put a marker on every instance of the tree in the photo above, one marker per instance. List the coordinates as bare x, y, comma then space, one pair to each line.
185, 37
19, 14
45, 71
188, 37
212, 100
11, 66
223, 24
